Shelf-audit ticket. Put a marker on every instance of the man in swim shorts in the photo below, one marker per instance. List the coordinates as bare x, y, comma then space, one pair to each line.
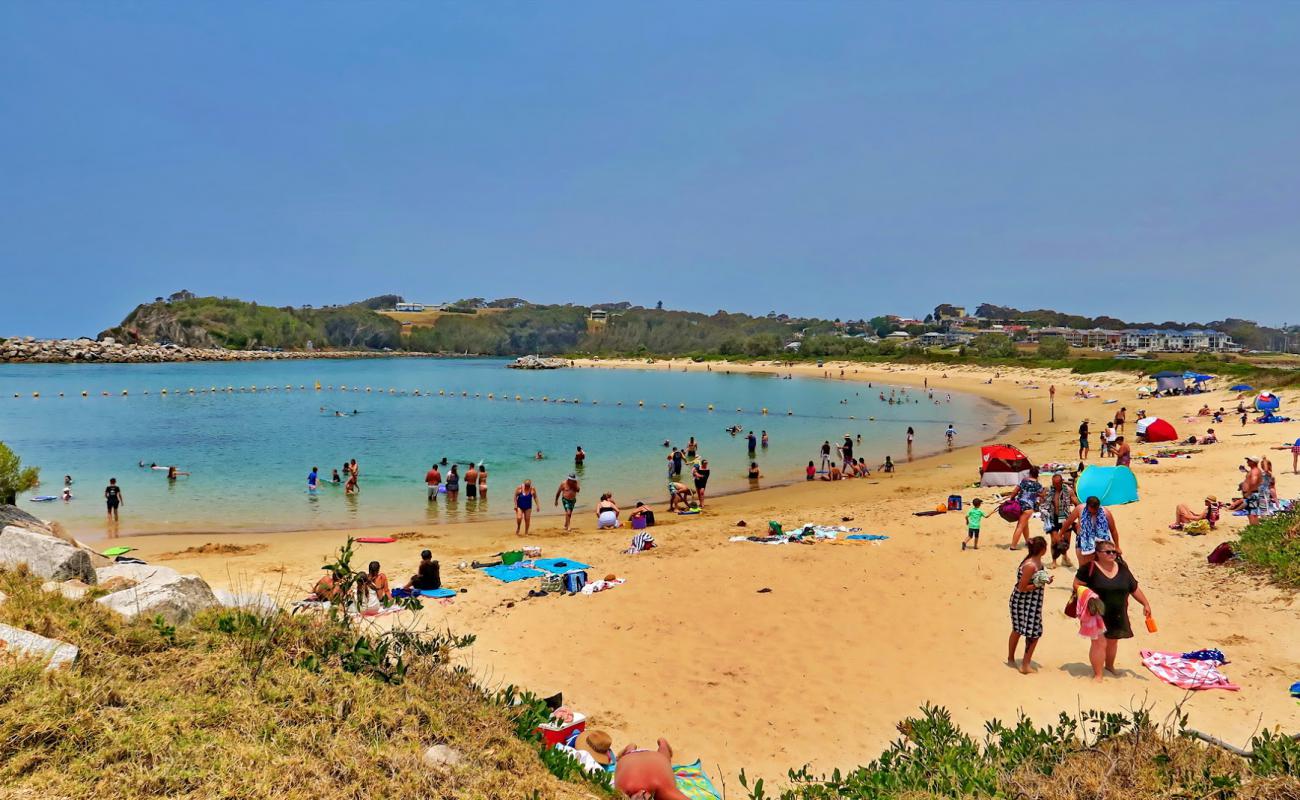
678, 493
525, 499
431, 479
568, 493
312, 478
647, 773
113, 498
471, 481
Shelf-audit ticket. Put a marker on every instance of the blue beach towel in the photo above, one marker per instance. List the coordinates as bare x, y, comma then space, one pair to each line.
867, 537
511, 573
559, 566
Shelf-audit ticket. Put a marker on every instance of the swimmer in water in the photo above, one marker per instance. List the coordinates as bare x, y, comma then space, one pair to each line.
539, 456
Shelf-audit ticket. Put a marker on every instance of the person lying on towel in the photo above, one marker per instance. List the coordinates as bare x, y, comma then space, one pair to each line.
647, 773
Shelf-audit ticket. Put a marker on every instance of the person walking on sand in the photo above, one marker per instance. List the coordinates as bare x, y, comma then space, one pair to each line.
113, 498
1027, 605
432, 479
1092, 525
1110, 577
1120, 417
826, 454
567, 492
1083, 440
700, 473
974, 518
525, 500
1057, 504
911, 436
1029, 493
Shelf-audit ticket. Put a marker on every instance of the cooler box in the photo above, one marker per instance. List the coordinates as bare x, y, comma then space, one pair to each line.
954, 502
554, 733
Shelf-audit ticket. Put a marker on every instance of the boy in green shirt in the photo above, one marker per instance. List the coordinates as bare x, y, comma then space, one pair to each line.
974, 517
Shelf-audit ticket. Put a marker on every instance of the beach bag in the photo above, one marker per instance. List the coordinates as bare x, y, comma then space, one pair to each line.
574, 581
1071, 603
638, 522
1221, 554
552, 583
1010, 510
512, 557
954, 502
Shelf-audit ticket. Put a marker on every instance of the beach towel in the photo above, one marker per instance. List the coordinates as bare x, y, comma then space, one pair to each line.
600, 586
1186, 673
559, 566
931, 513
642, 542
692, 782
511, 573
866, 537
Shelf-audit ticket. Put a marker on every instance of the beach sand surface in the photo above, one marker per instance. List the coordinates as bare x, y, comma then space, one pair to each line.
852, 636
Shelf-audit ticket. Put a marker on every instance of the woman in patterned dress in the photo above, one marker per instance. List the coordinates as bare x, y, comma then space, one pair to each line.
1027, 605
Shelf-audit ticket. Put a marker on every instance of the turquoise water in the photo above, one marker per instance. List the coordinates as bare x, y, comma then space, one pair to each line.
250, 451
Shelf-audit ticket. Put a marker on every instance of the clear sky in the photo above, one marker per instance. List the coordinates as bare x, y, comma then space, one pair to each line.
832, 159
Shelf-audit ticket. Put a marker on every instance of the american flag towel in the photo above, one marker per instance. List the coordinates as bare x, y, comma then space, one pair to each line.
1186, 673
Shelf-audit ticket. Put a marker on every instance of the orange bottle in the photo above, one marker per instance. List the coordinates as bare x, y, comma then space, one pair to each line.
1151, 624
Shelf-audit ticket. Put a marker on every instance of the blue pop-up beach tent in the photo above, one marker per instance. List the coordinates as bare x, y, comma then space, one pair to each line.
1267, 401
1113, 486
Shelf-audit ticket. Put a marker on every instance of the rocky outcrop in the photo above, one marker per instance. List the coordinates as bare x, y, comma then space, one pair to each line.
537, 362
45, 556
109, 351
157, 591
13, 515
54, 652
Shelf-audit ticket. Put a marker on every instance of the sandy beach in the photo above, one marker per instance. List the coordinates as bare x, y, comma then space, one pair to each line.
852, 636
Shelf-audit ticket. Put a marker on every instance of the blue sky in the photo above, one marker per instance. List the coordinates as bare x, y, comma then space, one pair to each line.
831, 159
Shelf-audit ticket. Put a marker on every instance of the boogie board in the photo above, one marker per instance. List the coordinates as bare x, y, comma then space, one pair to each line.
375, 539
44, 498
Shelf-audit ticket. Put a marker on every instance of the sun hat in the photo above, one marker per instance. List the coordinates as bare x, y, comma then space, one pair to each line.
1254, 459
1212, 498
573, 476
598, 744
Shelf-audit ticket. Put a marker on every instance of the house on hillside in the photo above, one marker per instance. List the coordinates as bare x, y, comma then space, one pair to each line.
409, 307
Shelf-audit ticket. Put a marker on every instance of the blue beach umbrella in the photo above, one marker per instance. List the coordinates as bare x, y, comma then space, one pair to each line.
1241, 387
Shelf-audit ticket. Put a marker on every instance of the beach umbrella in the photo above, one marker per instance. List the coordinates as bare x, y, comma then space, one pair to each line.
1169, 380
1241, 387
1113, 486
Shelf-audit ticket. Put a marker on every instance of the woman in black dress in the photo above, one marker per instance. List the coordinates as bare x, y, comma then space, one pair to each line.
1113, 582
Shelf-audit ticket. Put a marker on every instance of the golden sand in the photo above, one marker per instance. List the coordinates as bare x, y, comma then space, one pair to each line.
852, 636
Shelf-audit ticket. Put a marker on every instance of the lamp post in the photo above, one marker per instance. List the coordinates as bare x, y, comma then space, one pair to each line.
1051, 391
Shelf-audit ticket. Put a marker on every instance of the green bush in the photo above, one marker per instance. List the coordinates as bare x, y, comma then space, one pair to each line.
1273, 545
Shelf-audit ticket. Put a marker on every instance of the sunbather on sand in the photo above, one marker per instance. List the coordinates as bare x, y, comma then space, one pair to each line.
1184, 513
647, 774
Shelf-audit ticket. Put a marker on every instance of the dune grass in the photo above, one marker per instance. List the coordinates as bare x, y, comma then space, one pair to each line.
245, 706
1272, 545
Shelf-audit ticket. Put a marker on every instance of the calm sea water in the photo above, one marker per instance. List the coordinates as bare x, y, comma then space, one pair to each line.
250, 451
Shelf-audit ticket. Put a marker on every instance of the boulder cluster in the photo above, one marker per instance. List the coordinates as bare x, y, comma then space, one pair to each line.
75, 570
107, 350
538, 362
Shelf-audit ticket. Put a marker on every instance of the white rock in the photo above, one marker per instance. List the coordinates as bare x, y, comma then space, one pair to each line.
45, 556
56, 653
73, 590
440, 755
157, 591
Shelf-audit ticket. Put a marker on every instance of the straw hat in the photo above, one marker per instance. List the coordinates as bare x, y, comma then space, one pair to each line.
598, 744
1211, 498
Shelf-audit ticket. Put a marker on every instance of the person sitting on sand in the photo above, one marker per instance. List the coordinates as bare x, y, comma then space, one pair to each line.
642, 511
1184, 514
1205, 411
810, 472
647, 773
427, 576
678, 493
888, 466
326, 589
377, 582
607, 512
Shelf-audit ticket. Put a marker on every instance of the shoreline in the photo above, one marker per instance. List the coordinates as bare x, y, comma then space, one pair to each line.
866, 632
1009, 417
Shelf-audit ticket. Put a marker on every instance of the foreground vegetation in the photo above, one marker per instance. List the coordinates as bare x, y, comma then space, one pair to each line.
1272, 546
253, 705
1097, 755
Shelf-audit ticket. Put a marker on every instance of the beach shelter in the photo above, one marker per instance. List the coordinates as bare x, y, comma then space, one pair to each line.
1241, 387
1169, 380
1002, 465
1196, 377
1267, 401
1113, 486
1155, 429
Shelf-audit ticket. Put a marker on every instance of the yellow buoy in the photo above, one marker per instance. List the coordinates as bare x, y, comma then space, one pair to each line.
543, 398
663, 405
517, 398
641, 403
83, 394
789, 413
764, 411
442, 392
124, 392
164, 391
36, 394
60, 394
105, 394
191, 390
710, 406
681, 405
318, 386
491, 396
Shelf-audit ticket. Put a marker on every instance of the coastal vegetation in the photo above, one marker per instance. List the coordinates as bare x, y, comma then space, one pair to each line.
14, 477
1272, 546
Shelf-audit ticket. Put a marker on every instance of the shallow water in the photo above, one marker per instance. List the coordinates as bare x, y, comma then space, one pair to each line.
250, 451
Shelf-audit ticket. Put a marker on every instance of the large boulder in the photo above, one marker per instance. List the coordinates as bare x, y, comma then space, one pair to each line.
13, 515
158, 591
46, 556
54, 652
